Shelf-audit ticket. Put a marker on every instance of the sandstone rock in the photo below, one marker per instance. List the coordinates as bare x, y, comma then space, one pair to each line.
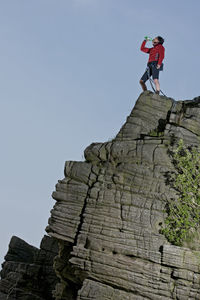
107, 218
110, 208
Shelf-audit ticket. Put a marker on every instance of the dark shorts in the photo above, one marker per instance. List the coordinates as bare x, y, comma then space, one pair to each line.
153, 71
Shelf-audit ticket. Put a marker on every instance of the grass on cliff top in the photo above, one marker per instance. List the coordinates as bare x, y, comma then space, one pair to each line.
183, 215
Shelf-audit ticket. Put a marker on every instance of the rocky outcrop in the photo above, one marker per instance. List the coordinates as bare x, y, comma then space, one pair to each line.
27, 272
110, 208
107, 218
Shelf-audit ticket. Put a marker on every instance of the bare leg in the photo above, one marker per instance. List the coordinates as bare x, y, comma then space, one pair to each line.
157, 84
143, 85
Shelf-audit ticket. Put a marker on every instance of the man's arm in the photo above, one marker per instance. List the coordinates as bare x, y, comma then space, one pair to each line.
161, 56
143, 48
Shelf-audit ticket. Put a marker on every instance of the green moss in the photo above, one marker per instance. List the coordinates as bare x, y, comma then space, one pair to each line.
183, 214
156, 133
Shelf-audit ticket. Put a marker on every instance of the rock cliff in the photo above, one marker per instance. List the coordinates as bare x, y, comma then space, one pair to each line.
110, 208
28, 272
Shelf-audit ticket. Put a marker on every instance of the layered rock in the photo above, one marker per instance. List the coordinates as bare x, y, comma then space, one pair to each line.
110, 208
28, 272
107, 219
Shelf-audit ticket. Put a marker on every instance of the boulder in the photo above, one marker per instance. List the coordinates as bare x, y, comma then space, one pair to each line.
27, 272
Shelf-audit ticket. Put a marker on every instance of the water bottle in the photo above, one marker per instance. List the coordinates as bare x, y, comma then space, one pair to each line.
147, 38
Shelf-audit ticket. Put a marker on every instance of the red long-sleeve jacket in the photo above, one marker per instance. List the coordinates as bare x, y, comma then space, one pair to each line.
156, 53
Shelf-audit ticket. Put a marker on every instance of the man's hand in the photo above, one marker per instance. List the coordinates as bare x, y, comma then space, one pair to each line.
147, 38
158, 66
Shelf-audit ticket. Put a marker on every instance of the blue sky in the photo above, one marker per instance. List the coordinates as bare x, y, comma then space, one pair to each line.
69, 73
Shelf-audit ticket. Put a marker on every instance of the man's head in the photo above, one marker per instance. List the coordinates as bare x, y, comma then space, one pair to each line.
157, 40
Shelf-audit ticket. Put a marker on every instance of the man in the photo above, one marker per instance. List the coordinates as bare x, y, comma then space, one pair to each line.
156, 56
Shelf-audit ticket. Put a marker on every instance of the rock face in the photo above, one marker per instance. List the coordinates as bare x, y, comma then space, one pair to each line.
110, 208
107, 218
27, 272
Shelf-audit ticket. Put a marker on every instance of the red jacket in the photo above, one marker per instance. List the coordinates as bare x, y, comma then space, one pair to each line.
157, 53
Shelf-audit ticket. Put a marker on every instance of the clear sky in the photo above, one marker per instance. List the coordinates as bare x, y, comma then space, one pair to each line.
69, 73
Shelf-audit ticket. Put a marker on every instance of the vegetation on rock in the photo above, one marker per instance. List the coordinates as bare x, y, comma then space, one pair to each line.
183, 220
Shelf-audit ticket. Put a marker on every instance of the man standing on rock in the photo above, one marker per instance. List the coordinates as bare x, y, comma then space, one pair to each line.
155, 65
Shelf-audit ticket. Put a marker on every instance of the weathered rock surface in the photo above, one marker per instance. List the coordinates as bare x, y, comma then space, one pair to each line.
110, 208
107, 218
28, 272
